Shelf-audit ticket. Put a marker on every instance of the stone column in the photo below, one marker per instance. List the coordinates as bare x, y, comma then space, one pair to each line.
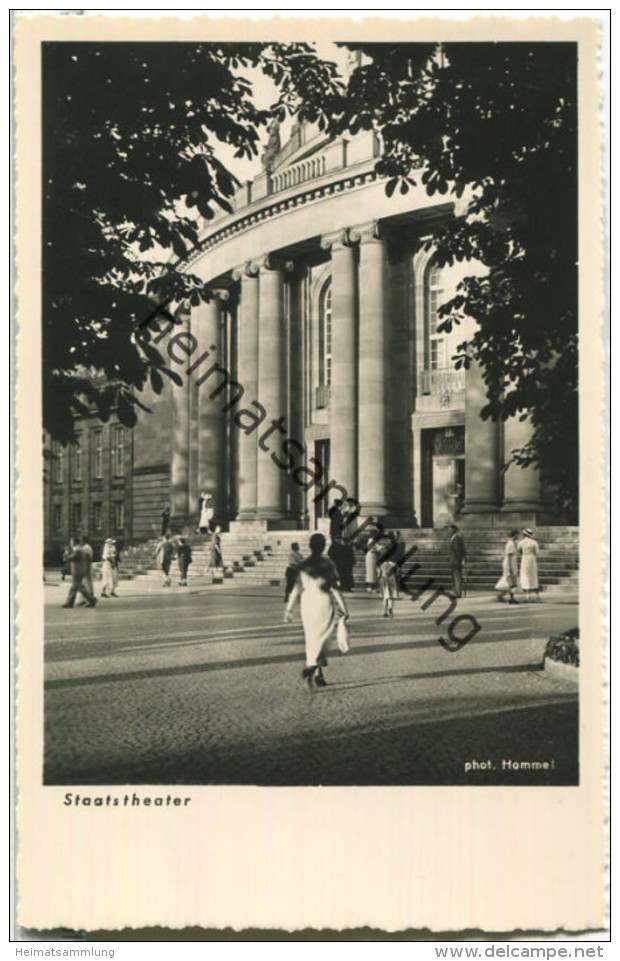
400, 380
481, 448
296, 382
271, 390
343, 402
522, 488
211, 419
372, 454
248, 377
194, 477
232, 363
179, 472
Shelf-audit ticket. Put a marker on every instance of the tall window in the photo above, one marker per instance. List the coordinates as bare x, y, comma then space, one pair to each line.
97, 516
77, 459
76, 517
119, 451
97, 454
436, 341
325, 335
57, 462
57, 518
119, 515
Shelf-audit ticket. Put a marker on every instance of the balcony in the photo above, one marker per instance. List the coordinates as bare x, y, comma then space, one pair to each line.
443, 381
322, 396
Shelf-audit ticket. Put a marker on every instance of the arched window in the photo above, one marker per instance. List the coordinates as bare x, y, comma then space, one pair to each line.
325, 335
435, 342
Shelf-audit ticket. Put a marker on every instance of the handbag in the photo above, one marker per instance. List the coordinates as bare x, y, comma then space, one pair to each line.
342, 636
502, 584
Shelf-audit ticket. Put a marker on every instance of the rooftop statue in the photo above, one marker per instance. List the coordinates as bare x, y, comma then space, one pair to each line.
273, 146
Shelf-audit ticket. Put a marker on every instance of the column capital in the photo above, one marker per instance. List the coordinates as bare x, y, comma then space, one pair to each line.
367, 233
336, 239
271, 263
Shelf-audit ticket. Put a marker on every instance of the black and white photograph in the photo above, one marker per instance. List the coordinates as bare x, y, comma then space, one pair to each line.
310, 366
312, 464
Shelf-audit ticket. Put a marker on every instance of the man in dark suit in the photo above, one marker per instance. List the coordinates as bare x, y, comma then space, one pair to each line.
457, 559
335, 520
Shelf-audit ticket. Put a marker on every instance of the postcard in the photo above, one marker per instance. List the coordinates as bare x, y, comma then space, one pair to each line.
310, 503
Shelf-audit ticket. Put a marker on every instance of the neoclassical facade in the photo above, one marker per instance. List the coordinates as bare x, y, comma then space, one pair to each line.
317, 369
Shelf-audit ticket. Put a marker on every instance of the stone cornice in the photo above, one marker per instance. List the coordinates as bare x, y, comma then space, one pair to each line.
281, 205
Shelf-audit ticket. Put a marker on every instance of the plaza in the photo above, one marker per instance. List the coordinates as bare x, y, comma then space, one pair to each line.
204, 688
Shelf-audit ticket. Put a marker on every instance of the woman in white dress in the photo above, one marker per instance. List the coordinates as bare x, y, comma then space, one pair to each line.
528, 574
321, 604
510, 569
371, 562
206, 513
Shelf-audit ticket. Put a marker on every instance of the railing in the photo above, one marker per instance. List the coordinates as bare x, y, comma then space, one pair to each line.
445, 380
299, 173
322, 397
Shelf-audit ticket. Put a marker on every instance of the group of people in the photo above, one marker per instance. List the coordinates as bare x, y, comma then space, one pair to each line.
168, 548
523, 545
78, 560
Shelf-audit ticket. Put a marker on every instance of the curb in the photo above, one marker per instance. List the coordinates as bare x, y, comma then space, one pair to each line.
559, 671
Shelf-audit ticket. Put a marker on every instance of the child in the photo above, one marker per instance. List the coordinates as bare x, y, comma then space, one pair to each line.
388, 586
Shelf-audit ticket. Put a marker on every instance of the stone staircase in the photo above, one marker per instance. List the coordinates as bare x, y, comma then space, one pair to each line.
559, 556
255, 558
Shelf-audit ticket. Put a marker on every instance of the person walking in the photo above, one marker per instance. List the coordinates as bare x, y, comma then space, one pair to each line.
397, 554
457, 559
165, 519
206, 514
371, 560
528, 573
184, 559
335, 520
89, 554
216, 561
65, 570
335, 555
163, 556
321, 604
510, 569
78, 562
347, 566
109, 568
387, 586
295, 560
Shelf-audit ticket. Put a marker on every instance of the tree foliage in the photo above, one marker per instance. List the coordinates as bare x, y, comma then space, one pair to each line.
131, 136
494, 126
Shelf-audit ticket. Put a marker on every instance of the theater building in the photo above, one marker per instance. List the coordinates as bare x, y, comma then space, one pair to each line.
317, 369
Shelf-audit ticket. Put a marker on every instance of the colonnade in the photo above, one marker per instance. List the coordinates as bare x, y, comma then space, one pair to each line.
254, 329
257, 323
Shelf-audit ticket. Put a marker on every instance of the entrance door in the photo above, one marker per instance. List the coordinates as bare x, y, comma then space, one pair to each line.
444, 483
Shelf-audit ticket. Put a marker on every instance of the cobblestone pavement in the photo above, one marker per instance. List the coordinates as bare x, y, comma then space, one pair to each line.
204, 687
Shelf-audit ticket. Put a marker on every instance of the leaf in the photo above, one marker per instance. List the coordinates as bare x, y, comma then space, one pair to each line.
156, 381
173, 375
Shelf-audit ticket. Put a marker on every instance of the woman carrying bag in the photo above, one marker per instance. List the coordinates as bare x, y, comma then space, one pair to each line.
507, 583
322, 610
